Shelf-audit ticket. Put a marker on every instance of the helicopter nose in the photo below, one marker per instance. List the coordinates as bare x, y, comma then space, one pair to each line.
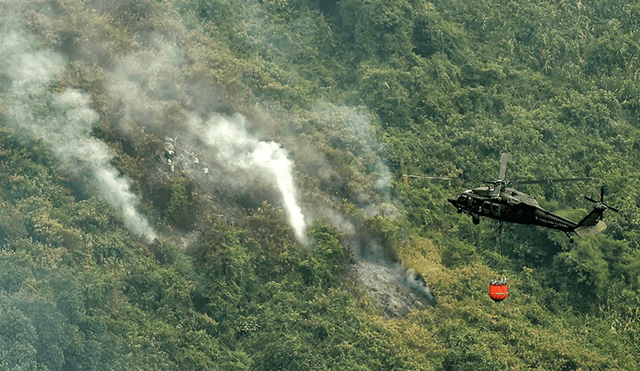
456, 203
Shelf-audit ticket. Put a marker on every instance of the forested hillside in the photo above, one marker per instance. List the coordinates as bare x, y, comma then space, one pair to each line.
217, 184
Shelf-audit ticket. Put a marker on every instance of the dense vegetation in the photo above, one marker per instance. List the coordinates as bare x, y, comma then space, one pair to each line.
359, 93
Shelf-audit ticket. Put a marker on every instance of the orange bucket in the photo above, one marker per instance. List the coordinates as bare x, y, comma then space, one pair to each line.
498, 289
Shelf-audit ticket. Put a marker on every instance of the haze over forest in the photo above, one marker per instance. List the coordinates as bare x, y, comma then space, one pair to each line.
217, 185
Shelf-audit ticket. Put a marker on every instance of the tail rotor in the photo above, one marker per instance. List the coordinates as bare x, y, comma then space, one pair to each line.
601, 202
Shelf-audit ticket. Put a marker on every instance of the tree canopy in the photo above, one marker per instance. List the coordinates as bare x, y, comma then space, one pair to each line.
217, 125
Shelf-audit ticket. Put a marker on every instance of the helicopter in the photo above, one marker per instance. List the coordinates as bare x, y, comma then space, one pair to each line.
497, 201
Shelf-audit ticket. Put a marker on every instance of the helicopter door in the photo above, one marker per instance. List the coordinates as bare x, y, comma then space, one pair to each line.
495, 209
491, 208
486, 207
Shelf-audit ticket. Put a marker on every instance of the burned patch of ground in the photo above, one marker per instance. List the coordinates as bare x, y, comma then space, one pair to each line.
392, 288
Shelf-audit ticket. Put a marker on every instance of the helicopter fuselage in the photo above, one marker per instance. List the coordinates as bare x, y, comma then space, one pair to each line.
510, 206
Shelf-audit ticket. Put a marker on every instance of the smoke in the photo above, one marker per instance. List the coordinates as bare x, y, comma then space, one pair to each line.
416, 282
149, 84
148, 91
235, 147
354, 127
394, 289
63, 120
376, 267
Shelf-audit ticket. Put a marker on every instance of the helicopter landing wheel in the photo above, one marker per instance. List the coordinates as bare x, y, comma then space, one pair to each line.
476, 220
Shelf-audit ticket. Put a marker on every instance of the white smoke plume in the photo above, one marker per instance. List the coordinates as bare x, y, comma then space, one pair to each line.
64, 121
77, 121
237, 148
149, 81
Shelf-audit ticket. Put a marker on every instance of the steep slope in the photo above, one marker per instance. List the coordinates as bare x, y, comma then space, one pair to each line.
206, 185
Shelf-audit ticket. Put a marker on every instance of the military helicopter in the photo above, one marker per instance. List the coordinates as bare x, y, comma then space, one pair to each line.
496, 201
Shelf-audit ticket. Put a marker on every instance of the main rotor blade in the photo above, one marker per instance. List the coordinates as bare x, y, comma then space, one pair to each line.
549, 181
427, 177
503, 166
